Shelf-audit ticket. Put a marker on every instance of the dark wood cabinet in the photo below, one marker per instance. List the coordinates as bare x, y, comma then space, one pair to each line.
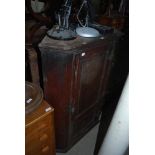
75, 76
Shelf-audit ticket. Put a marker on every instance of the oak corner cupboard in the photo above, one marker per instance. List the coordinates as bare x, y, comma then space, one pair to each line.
75, 75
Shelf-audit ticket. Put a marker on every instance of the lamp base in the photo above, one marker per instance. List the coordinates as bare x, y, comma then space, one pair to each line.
87, 32
61, 33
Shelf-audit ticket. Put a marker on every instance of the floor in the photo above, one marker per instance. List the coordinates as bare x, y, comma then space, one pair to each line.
86, 145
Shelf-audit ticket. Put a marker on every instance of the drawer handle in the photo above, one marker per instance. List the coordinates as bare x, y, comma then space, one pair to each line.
45, 149
43, 137
42, 126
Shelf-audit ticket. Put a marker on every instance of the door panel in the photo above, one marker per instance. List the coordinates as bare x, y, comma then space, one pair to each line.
89, 73
91, 70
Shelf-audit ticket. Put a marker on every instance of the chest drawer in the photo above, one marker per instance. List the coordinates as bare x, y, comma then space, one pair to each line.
39, 126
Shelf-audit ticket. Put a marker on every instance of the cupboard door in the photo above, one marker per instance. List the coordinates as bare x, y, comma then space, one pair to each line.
89, 73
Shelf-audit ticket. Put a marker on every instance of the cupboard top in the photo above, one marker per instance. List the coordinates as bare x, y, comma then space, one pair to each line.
70, 44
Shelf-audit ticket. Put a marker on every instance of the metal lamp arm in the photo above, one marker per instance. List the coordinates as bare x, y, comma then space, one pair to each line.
83, 3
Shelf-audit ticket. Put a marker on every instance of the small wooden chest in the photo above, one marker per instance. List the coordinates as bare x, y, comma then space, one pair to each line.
39, 131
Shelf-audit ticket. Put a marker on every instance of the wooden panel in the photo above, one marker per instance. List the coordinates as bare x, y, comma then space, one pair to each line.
91, 72
89, 75
57, 90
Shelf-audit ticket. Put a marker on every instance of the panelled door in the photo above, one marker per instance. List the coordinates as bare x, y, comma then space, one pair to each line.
89, 74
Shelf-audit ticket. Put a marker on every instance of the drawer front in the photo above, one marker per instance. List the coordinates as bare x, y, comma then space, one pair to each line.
41, 145
39, 126
38, 138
